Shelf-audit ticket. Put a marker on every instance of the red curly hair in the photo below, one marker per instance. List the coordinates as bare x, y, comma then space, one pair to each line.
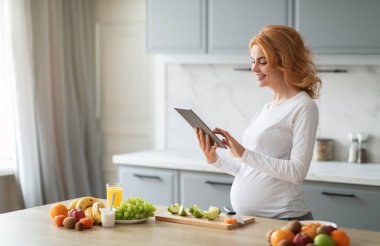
284, 47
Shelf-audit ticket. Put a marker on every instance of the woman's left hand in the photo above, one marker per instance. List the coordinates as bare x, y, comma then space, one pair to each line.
236, 148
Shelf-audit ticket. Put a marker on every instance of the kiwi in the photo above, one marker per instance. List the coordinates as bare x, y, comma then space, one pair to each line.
324, 230
79, 226
69, 222
295, 226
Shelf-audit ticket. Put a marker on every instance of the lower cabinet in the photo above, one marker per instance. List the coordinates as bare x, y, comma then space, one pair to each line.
167, 186
347, 205
158, 186
205, 189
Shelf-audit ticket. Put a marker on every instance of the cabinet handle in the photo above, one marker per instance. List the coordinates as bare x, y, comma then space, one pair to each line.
143, 176
336, 194
217, 183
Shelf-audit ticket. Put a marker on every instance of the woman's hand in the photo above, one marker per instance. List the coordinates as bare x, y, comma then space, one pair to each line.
236, 148
205, 144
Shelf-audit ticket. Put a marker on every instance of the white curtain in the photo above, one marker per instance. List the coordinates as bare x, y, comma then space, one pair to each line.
57, 143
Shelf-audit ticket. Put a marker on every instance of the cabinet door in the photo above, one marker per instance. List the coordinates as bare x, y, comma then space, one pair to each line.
205, 189
347, 205
158, 186
233, 23
340, 26
176, 26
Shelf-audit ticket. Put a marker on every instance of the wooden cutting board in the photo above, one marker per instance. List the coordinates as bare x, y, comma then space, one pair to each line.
190, 220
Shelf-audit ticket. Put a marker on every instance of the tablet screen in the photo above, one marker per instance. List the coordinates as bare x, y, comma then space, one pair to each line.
195, 121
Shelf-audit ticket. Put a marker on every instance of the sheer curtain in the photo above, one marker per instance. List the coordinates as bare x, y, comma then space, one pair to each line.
57, 142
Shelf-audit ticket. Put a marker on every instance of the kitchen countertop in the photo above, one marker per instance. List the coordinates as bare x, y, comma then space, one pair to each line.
34, 227
192, 160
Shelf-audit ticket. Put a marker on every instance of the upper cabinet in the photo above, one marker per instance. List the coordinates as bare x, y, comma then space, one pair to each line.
232, 24
339, 26
179, 26
176, 26
226, 26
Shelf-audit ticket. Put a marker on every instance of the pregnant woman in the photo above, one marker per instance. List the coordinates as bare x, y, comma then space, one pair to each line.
272, 162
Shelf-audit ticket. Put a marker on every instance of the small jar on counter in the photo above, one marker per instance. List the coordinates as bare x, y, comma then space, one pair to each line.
323, 150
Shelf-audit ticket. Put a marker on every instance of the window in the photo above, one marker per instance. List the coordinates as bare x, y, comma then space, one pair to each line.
7, 133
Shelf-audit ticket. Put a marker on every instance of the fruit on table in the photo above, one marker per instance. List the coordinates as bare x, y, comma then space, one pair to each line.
196, 211
212, 213
302, 240
96, 211
323, 239
58, 220
69, 222
193, 208
87, 222
73, 204
88, 212
182, 211
174, 208
309, 234
281, 234
79, 226
340, 238
57, 209
134, 208
77, 214
86, 202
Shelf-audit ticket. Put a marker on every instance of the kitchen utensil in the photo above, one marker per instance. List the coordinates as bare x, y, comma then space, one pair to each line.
230, 212
112, 200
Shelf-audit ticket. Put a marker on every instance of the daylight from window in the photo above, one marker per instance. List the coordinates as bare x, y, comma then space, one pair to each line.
7, 143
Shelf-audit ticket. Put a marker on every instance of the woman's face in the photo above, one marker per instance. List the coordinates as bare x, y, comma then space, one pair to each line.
266, 75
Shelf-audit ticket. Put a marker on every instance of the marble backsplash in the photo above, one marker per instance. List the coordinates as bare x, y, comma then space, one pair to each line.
226, 98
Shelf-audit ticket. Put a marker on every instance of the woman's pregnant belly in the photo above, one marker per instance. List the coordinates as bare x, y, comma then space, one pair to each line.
258, 194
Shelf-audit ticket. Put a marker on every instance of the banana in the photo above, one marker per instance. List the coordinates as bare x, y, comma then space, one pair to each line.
96, 212
86, 202
73, 204
88, 212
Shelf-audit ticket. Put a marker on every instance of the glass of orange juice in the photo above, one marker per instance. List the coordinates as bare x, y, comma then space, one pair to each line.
117, 189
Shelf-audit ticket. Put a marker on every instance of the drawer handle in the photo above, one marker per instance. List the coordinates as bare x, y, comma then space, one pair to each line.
336, 194
143, 176
217, 183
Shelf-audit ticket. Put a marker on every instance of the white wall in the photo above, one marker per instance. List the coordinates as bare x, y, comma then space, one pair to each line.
228, 99
124, 87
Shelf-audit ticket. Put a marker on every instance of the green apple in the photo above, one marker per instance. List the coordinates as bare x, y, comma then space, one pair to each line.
323, 240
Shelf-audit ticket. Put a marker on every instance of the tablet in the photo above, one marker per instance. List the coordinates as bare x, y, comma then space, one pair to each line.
195, 121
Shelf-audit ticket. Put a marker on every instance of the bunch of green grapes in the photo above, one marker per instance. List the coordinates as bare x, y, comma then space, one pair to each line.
134, 208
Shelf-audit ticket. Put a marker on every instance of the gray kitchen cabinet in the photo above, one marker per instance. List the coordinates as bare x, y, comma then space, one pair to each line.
339, 26
158, 186
161, 186
210, 26
176, 26
232, 24
205, 189
355, 206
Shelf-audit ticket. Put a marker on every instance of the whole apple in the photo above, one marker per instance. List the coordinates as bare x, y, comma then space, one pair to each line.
302, 240
77, 214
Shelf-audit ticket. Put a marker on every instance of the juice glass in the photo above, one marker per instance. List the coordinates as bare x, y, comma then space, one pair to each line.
117, 189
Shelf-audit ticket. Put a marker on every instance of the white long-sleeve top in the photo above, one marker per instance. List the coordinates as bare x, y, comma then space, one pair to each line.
279, 145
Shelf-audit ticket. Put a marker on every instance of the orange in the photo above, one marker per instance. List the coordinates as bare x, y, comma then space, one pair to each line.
340, 238
58, 220
310, 231
58, 209
281, 234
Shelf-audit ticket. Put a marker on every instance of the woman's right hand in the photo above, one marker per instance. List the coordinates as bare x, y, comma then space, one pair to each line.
205, 145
